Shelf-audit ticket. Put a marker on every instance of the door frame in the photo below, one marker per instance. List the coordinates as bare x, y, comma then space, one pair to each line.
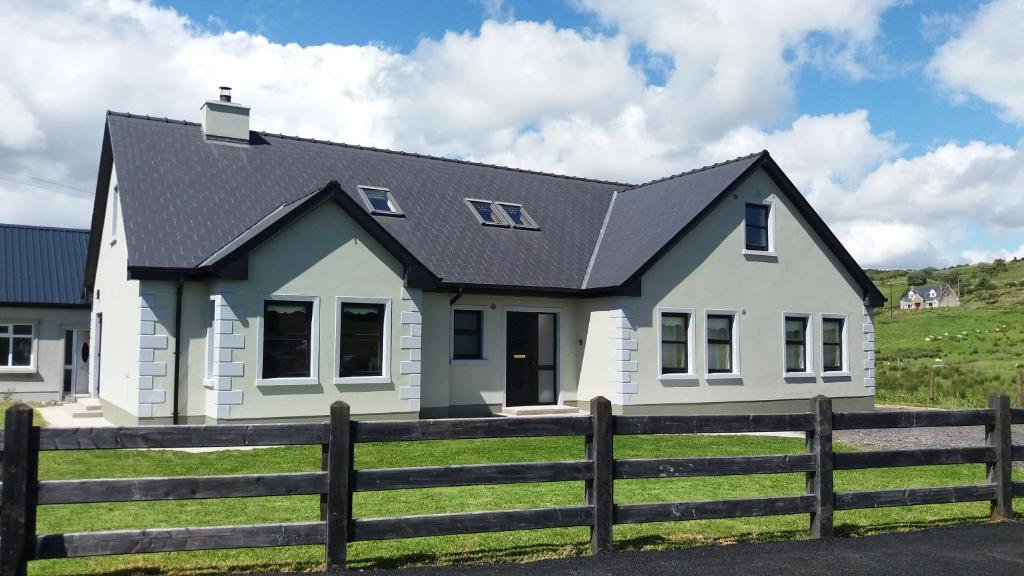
559, 327
75, 348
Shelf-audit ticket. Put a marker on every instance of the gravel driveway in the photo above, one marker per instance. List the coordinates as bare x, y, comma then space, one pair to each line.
912, 438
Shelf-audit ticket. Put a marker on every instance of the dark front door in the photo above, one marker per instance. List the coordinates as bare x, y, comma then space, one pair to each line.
530, 358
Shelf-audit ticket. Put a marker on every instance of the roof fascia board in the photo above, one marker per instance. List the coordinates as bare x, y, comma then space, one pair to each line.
82, 305
99, 210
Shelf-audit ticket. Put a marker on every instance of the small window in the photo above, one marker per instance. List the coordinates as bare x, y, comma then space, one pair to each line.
287, 339
362, 339
675, 349
380, 201
69, 359
16, 345
210, 308
486, 212
516, 214
796, 344
832, 344
467, 334
721, 344
757, 225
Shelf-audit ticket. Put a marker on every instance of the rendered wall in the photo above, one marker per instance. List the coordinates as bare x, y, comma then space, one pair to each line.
44, 382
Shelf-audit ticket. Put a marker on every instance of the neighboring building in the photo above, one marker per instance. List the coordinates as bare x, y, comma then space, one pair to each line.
931, 296
305, 271
44, 318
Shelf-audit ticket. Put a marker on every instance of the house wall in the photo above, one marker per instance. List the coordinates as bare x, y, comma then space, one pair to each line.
118, 300
43, 382
325, 254
708, 270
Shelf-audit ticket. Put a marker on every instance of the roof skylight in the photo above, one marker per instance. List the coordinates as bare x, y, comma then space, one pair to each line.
380, 201
516, 214
486, 212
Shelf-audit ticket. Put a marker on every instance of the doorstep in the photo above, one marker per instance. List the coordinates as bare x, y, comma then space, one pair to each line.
543, 410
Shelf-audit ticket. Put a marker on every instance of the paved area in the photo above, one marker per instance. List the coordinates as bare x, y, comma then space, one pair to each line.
990, 550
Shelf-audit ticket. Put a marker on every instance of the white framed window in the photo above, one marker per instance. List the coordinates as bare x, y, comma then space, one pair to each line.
797, 345
18, 347
288, 344
114, 212
516, 215
487, 213
835, 348
362, 340
721, 344
467, 336
211, 307
380, 201
759, 228
676, 335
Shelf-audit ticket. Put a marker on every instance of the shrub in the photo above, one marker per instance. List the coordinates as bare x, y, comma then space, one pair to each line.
917, 278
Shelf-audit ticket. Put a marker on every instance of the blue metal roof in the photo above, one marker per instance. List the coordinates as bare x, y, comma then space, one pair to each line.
43, 266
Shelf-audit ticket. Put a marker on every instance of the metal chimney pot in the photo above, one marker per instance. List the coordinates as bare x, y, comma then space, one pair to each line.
225, 93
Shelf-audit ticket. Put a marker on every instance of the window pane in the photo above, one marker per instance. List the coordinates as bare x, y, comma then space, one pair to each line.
5, 351
286, 339
515, 213
362, 340
757, 227
673, 358
832, 331
467, 320
673, 327
546, 386
757, 215
757, 238
796, 358
69, 341
485, 211
4, 329
379, 200
22, 329
466, 346
67, 380
796, 329
832, 357
720, 328
21, 353
719, 358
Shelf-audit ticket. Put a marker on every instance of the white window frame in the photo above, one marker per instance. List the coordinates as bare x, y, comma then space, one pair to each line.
500, 222
737, 370
314, 342
808, 345
210, 349
483, 335
529, 222
396, 210
31, 368
691, 335
845, 372
771, 251
385, 377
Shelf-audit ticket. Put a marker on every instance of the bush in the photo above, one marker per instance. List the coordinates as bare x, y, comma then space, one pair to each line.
983, 282
917, 278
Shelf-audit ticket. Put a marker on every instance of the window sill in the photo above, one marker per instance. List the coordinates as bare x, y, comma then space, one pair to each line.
208, 383
723, 376
681, 376
766, 254
287, 381
799, 375
18, 370
835, 375
362, 380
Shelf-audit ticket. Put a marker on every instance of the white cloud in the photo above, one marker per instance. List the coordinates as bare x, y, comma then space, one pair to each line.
976, 256
986, 59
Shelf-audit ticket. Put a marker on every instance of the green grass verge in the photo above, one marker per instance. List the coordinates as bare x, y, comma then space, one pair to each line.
503, 547
37, 418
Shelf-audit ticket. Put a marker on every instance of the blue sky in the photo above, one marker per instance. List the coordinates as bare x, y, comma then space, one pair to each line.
900, 120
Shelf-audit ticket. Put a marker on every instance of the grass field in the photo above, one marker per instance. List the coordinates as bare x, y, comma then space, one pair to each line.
980, 345
502, 547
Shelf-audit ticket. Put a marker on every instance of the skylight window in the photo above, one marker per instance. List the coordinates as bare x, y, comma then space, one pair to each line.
380, 201
486, 212
516, 214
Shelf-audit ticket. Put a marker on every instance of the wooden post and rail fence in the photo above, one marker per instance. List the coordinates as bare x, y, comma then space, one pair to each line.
22, 492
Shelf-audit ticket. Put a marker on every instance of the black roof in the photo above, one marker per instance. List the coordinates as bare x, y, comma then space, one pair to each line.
191, 205
42, 266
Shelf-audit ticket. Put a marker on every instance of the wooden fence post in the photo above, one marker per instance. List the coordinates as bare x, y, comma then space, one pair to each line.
601, 489
819, 482
339, 489
1000, 472
20, 478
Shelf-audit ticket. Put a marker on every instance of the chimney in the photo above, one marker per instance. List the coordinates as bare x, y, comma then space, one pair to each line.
224, 120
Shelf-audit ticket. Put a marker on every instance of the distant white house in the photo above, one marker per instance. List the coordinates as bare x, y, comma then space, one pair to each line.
931, 296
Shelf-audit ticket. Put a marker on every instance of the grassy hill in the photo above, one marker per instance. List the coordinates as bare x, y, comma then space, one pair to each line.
970, 351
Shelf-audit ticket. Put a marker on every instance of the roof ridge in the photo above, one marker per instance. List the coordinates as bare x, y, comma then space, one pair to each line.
695, 170
38, 227
386, 150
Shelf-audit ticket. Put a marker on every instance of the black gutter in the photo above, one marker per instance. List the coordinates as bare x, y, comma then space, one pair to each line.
177, 347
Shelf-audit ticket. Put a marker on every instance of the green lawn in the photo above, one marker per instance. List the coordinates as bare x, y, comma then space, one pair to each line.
502, 547
37, 419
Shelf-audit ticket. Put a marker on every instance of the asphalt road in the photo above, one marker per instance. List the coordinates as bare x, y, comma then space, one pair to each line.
988, 550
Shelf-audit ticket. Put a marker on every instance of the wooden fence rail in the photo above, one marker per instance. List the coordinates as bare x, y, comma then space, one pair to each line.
22, 492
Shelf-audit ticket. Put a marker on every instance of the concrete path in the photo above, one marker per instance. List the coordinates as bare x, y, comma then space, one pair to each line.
990, 550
